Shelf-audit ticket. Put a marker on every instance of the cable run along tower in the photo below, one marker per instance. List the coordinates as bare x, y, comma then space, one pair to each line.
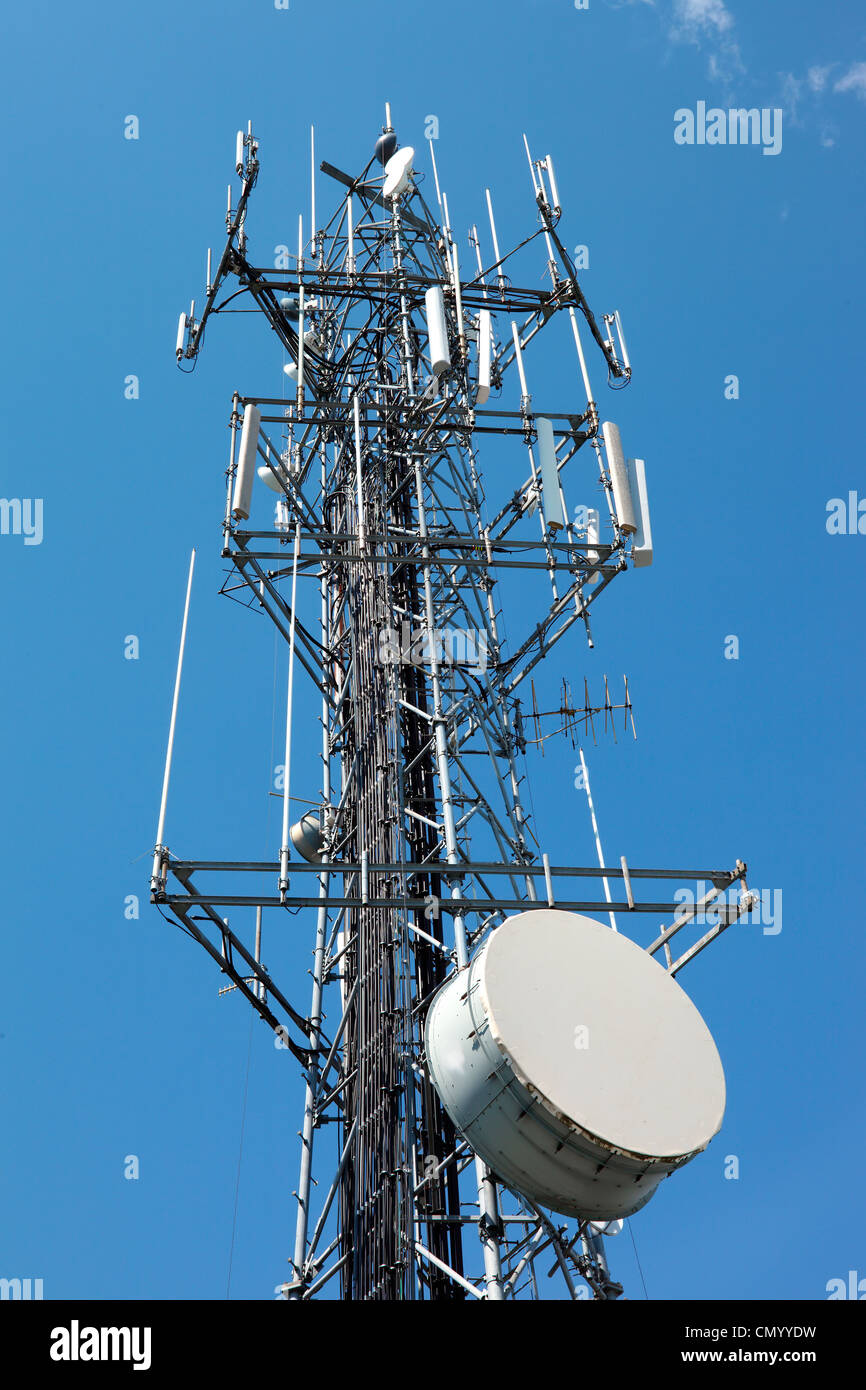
454, 1142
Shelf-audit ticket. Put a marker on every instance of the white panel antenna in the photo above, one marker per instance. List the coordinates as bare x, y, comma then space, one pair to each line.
592, 538
550, 495
642, 548
485, 352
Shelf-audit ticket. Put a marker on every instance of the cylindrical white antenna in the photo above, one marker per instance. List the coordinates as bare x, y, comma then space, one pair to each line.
554, 191
160, 829
435, 173
458, 297
622, 498
625, 357
287, 760
437, 331
300, 396
532, 173
181, 336
260, 989
229, 201
313, 185
518, 354
209, 286
388, 126
499, 275
477, 244
580, 357
598, 849
239, 152
246, 463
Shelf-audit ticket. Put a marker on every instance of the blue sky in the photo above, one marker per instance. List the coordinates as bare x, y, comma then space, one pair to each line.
722, 261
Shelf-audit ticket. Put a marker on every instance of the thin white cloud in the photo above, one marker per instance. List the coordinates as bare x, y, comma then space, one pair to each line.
817, 77
854, 81
792, 91
703, 16
709, 23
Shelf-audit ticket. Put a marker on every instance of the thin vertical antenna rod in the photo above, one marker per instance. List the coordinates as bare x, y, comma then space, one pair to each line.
499, 275
287, 761
435, 174
300, 391
518, 356
260, 989
598, 849
160, 829
313, 187
359, 478
532, 173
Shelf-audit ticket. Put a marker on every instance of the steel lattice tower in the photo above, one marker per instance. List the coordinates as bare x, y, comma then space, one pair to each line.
387, 569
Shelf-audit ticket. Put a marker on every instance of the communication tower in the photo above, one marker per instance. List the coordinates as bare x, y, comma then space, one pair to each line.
481, 1102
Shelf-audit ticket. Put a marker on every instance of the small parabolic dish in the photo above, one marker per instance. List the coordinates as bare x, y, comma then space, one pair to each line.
268, 478
306, 836
397, 172
574, 1065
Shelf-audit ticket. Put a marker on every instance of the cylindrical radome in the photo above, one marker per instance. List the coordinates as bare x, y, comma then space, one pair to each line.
622, 499
239, 152
485, 352
306, 836
550, 497
437, 330
243, 493
181, 335
574, 1065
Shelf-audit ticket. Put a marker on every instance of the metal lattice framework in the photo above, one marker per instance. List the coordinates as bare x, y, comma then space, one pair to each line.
387, 570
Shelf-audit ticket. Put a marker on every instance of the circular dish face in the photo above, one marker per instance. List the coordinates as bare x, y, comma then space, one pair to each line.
397, 172
268, 479
602, 1035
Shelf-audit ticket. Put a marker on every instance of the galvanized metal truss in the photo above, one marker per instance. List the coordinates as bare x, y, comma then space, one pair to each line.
385, 549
